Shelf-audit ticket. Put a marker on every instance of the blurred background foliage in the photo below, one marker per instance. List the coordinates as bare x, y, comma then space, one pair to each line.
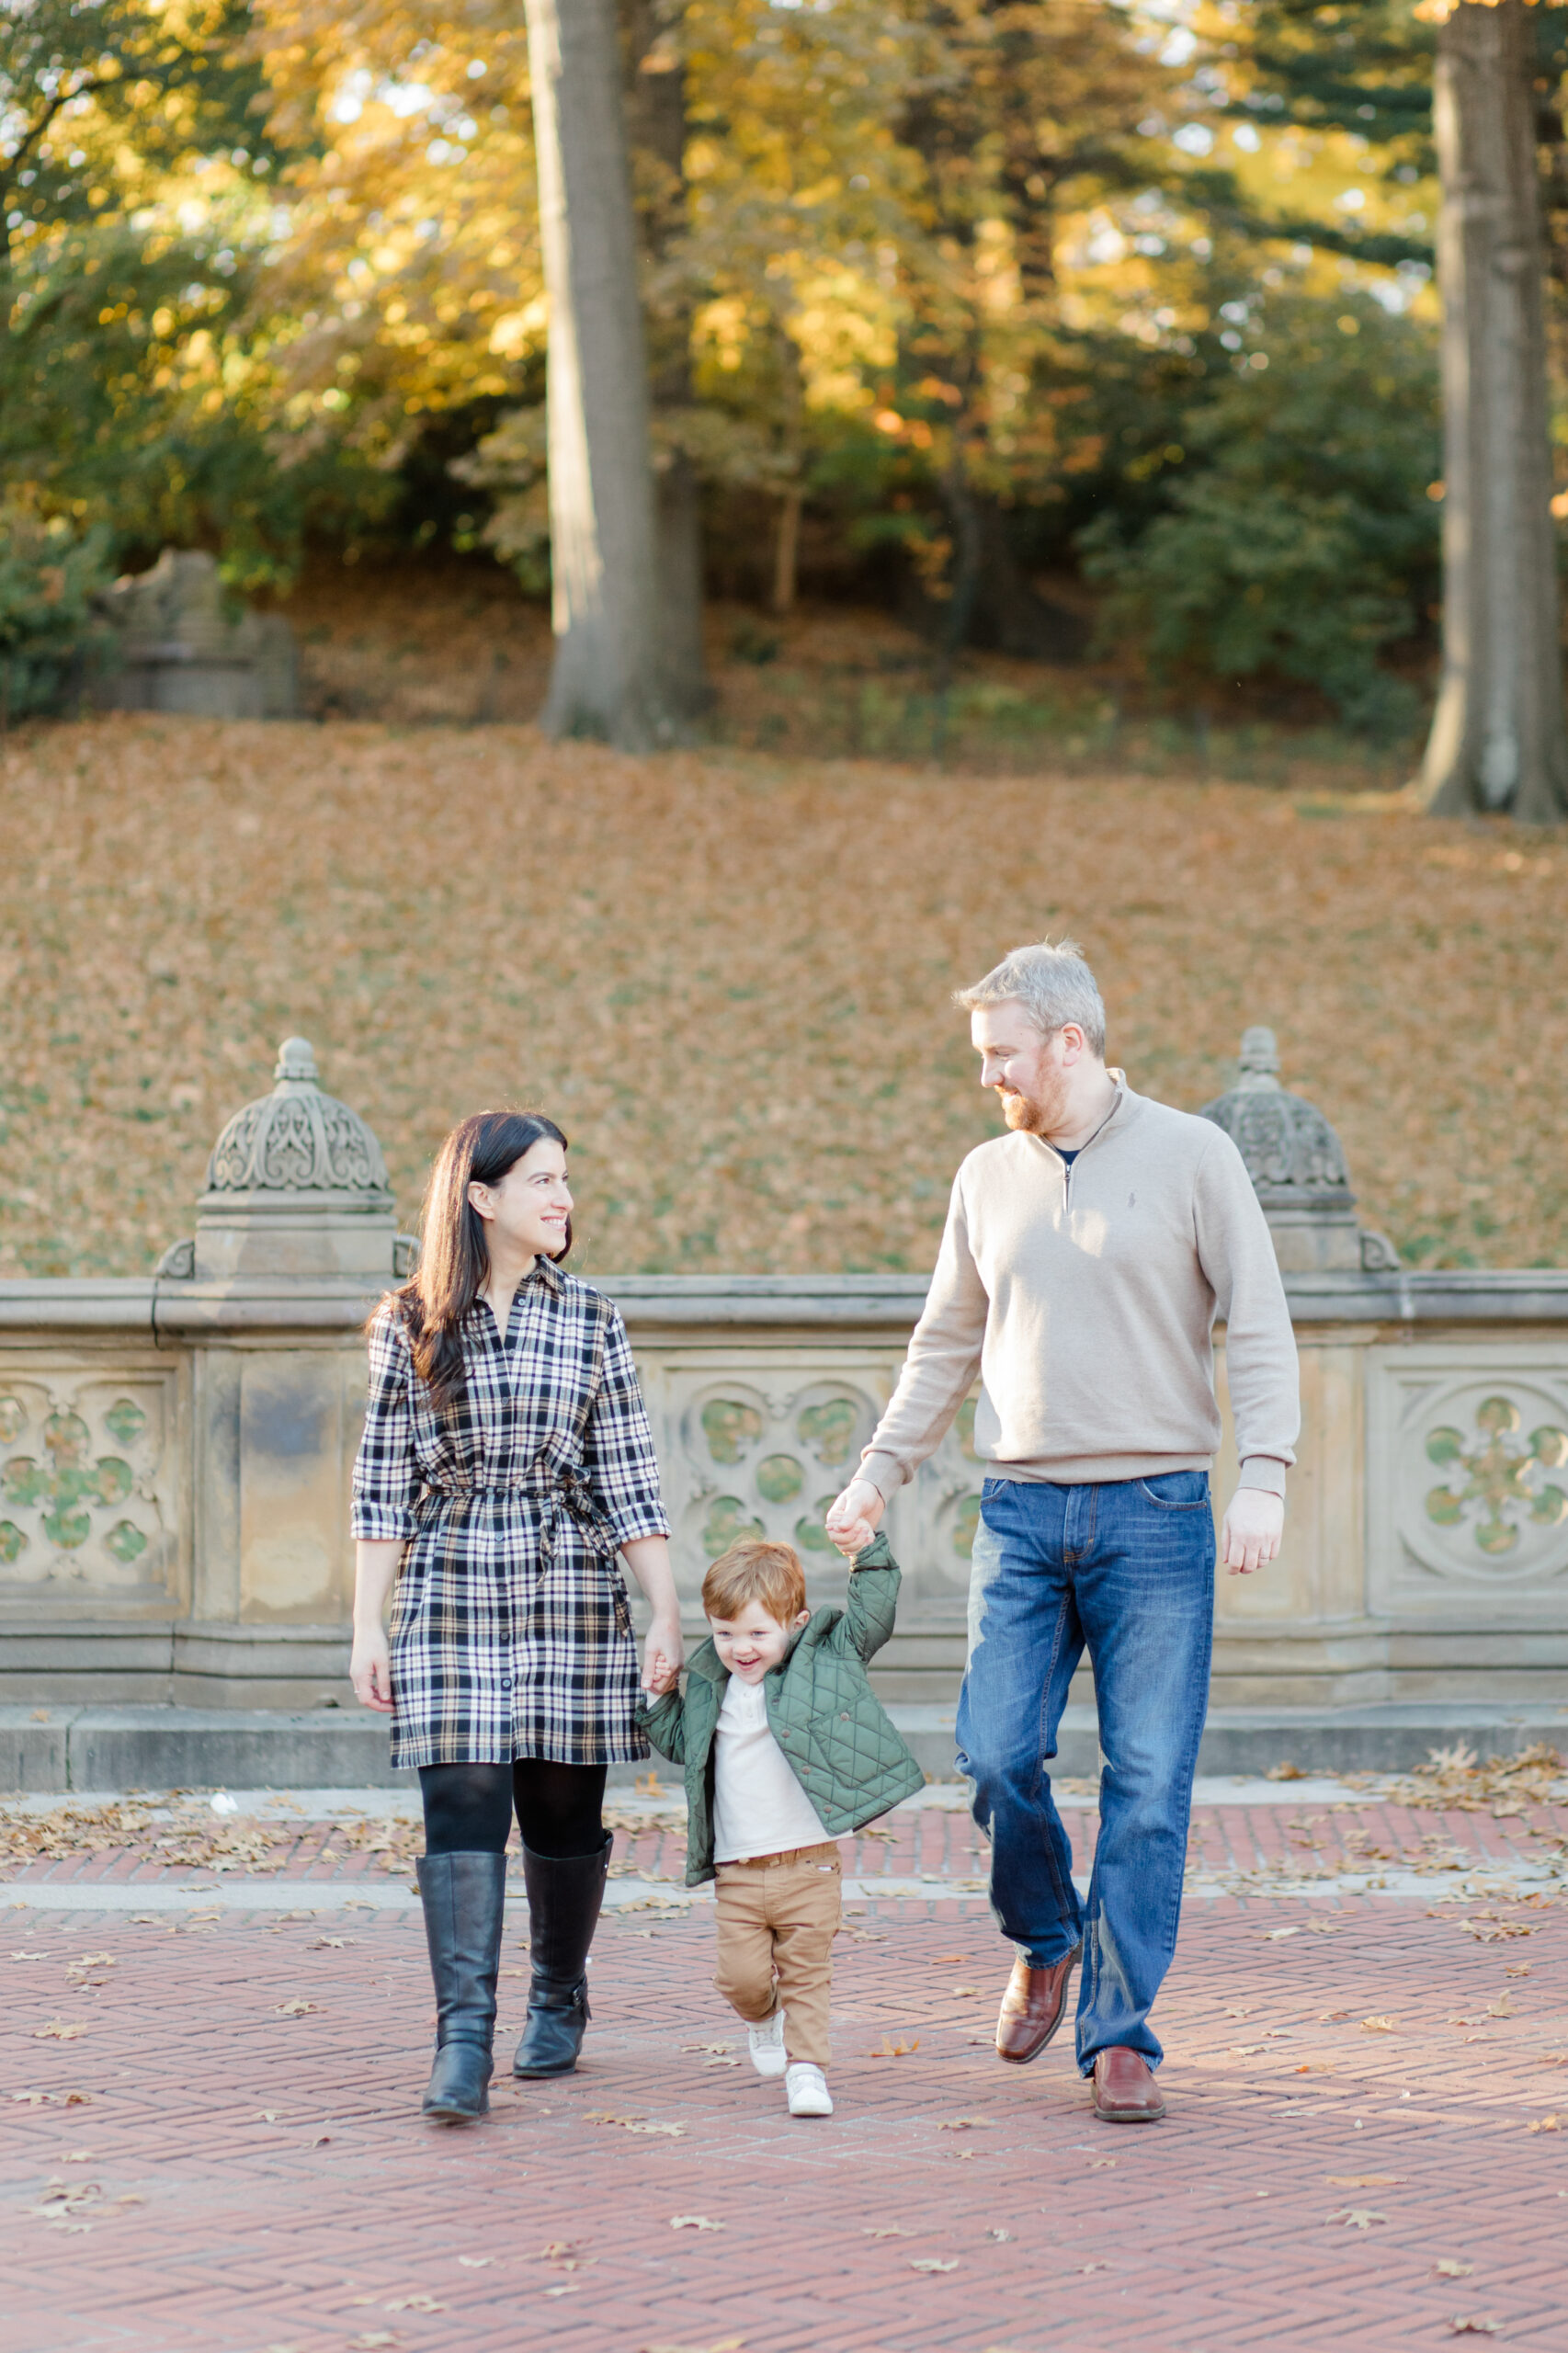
1060, 327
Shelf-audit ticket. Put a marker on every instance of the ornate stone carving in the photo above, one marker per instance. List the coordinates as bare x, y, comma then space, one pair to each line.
177, 1264
1298, 1168
295, 1185
761, 1448
1292, 1155
297, 1140
1467, 1493
1494, 1479
80, 1501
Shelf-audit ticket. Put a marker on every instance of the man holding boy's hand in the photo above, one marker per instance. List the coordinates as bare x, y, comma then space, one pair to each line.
1086, 1256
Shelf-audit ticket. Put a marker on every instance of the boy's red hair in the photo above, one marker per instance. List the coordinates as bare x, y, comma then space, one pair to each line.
756, 1571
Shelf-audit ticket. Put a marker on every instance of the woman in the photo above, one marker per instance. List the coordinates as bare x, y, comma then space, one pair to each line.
506, 1460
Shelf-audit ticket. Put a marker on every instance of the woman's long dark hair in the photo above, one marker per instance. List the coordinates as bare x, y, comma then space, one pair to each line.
454, 1257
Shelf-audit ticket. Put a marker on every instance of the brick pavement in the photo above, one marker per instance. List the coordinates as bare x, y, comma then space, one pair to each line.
246, 2176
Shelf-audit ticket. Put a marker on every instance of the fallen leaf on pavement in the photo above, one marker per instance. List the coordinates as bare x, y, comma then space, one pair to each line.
693, 2223
1378, 2026
1476, 2325
413, 2304
1448, 2266
888, 2231
635, 2123
57, 2030
1273, 1936
961, 2124
373, 2338
477, 2262
1356, 2218
297, 2008
891, 2050
933, 2263
1362, 2180
1003, 2236
1546, 2124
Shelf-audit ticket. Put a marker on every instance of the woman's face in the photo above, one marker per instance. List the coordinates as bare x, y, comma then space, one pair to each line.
527, 1210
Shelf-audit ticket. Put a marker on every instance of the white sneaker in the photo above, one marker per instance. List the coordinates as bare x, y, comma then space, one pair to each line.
807, 2089
766, 2041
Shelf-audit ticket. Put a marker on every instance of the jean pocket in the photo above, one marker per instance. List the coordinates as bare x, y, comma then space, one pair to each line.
1176, 1490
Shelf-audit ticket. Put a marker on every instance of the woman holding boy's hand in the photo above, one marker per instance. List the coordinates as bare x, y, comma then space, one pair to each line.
507, 1466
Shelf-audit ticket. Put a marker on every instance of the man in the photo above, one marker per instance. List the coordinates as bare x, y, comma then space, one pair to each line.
1086, 1256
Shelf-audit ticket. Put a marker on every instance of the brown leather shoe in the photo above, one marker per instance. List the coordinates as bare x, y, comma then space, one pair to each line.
1033, 2007
1125, 2089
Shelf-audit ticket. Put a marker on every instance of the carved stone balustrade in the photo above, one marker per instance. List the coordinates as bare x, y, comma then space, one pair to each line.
176, 1452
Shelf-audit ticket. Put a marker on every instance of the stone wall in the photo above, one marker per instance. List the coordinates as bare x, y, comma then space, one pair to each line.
176, 1453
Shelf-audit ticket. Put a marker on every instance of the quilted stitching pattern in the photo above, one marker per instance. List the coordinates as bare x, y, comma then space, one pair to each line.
845, 1751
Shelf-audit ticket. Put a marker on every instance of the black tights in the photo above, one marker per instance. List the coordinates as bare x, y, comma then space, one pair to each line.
468, 1807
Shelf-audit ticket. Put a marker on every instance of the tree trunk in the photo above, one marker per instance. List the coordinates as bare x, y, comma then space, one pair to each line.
1497, 739
608, 677
786, 552
655, 110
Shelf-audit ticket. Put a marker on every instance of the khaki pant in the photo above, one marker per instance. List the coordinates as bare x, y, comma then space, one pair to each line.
778, 1917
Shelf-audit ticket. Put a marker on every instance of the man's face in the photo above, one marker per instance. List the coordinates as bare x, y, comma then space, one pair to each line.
1024, 1067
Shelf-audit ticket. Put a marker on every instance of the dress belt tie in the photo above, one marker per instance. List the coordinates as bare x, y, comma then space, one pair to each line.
557, 1490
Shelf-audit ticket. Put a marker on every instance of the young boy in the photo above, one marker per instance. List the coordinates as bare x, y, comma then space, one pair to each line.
786, 1748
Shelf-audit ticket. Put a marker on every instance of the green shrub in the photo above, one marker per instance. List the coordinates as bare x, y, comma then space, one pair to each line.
1299, 540
49, 632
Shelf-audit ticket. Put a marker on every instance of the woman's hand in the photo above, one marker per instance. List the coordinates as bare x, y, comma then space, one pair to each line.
648, 1558
371, 1668
662, 1656
376, 1562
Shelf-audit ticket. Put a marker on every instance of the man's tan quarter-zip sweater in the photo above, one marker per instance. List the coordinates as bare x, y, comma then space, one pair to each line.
1084, 1295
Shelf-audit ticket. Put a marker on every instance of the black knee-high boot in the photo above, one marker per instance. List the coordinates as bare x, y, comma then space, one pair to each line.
465, 1899
564, 1897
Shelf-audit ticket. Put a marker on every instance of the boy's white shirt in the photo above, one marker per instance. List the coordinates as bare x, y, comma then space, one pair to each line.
759, 1807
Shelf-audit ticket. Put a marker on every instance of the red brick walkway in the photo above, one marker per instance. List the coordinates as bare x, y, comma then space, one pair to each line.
1349, 2110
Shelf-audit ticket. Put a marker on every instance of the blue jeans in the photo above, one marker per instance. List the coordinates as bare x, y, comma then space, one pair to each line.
1128, 1568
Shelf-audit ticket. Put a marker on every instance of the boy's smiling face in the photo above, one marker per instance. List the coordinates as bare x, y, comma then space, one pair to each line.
753, 1639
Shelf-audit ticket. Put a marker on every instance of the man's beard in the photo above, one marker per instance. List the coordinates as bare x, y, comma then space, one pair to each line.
1029, 1116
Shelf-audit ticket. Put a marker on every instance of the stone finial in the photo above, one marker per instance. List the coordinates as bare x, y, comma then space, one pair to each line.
1298, 1168
1259, 1059
295, 1185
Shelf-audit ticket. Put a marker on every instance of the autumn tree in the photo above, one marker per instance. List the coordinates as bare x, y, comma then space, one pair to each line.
609, 677
656, 125
1498, 738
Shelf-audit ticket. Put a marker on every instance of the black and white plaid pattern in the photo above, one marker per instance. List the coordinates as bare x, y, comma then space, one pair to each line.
511, 1630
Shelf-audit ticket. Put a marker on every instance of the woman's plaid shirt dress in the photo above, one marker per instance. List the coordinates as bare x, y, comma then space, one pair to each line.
511, 1630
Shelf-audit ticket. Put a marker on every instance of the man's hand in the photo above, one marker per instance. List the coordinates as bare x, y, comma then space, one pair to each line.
1254, 1522
852, 1521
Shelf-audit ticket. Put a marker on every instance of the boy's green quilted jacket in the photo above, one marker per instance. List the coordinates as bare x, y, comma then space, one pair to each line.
846, 1753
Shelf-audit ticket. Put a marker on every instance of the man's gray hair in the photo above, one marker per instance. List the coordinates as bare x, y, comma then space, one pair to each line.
1052, 984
